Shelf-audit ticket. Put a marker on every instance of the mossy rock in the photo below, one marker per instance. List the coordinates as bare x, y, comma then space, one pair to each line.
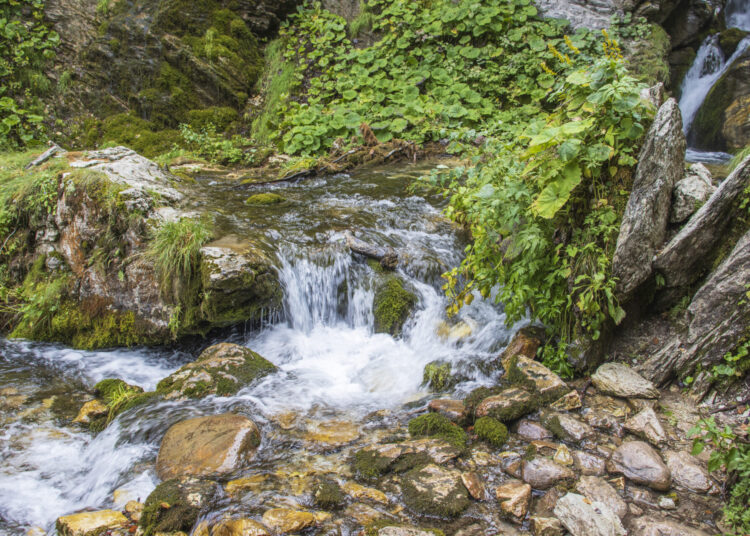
477, 395
327, 494
175, 504
107, 389
220, 117
267, 198
491, 430
435, 491
649, 57
508, 405
436, 425
392, 305
729, 39
222, 369
437, 375
369, 464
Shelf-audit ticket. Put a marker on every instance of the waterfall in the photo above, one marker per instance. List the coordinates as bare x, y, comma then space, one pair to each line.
737, 14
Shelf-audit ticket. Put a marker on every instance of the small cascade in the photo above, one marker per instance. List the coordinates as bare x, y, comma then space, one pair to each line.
737, 13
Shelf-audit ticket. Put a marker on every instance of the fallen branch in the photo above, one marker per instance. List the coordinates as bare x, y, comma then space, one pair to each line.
387, 256
46, 155
730, 407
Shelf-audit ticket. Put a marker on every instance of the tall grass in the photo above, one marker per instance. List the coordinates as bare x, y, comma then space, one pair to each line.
278, 80
175, 252
738, 158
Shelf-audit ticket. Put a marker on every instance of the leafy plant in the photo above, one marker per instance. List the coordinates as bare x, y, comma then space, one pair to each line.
216, 148
730, 453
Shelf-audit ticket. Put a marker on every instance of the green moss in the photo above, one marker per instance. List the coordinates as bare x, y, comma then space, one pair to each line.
276, 87
327, 494
218, 116
419, 497
477, 395
392, 305
730, 38
436, 425
437, 375
491, 430
105, 389
373, 528
167, 510
267, 198
144, 137
370, 465
648, 58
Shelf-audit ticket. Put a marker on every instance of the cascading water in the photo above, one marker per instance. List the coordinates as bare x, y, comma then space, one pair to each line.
332, 365
709, 66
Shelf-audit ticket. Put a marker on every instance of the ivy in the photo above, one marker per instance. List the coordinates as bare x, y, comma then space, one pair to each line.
26, 45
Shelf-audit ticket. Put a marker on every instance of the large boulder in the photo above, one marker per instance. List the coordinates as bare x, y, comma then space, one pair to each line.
638, 462
435, 490
583, 517
644, 224
717, 319
509, 405
618, 379
207, 446
723, 121
691, 193
683, 260
222, 369
535, 377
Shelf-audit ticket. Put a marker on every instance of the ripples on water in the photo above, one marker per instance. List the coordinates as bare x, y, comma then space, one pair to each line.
330, 361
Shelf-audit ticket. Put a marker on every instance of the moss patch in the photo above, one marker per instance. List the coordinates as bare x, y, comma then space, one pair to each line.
167, 510
477, 395
492, 431
437, 375
426, 494
265, 199
729, 39
436, 425
327, 494
392, 305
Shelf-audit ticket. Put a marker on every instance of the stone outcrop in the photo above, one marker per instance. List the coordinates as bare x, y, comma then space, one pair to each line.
691, 193
717, 317
683, 260
693, 17
207, 446
594, 14
618, 379
644, 224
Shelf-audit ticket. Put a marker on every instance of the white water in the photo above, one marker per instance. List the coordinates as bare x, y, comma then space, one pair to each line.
328, 355
709, 66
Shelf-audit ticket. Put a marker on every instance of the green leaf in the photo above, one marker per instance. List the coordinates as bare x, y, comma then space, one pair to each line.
554, 196
399, 125
569, 149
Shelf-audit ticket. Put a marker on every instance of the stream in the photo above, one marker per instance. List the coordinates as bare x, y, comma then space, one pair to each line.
334, 371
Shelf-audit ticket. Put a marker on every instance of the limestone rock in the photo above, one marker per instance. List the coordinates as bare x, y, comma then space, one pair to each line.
455, 410
654, 526
474, 485
546, 526
717, 316
435, 490
542, 473
586, 518
90, 523
287, 521
687, 471
509, 405
532, 431
594, 14
514, 497
361, 492
646, 424
525, 342
535, 377
598, 489
691, 193
222, 369
620, 380
566, 426
589, 464
644, 224
569, 402
638, 462
240, 527
206, 446
683, 259
91, 410
403, 531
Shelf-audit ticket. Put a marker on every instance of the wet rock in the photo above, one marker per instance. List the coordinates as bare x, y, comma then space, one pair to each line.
586, 518
717, 315
222, 369
525, 342
474, 485
361, 493
239, 282
568, 402
653, 526
644, 224
687, 471
239, 527
563, 456
666, 503
362, 513
392, 304
535, 377
134, 510
434, 490
90, 523
546, 526
603, 420
580, 13
287, 521
542, 473
332, 433
598, 489
457, 332
509, 405
241, 486
638, 462
205, 446
453, 409
566, 426
175, 505
691, 193
437, 375
327, 494
375, 460
588, 464
514, 497
531, 431
620, 380
403, 531
677, 261
646, 424
91, 410
544, 506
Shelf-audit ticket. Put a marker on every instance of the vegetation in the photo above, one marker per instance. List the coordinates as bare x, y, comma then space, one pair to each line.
26, 47
391, 306
437, 375
730, 453
436, 425
491, 430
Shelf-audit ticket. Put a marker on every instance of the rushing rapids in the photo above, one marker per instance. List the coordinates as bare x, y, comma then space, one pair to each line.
332, 366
